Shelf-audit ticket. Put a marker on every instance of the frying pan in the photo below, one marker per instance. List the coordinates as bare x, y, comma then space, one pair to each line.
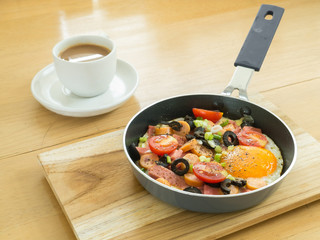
249, 60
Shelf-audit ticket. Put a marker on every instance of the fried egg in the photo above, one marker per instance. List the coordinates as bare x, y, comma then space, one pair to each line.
254, 162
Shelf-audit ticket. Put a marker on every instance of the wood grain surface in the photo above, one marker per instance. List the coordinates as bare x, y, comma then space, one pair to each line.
177, 47
95, 187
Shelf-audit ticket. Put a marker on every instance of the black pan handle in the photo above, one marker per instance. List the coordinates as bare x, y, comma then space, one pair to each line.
259, 37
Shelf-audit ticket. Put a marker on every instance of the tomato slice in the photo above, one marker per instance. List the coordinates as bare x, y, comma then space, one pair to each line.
250, 136
210, 172
162, 144
207, 114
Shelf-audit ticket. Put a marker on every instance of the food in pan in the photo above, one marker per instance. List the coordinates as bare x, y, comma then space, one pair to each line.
210, 154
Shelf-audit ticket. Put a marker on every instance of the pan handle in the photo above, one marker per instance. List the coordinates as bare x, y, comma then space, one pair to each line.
255, 48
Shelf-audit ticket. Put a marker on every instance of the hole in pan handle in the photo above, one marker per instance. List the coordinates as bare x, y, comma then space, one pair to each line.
254, 48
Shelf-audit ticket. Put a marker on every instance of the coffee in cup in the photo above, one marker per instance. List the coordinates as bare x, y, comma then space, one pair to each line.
85, 64
84, 53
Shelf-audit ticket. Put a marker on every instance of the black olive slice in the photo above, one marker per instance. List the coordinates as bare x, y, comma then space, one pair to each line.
243, 124
248, 120
215, 185
239, 182
166, 165
206, 144
230, 138
177, 170
191, 124
190, 137
245, 111
189, 120
225, 184
192, 189
217, 142
164, 158
199, 133
175, 125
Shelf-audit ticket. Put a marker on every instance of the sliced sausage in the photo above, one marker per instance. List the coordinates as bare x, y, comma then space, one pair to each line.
176, 154
211, 190
189, 145
184, 130
181, 139
148, 160
192, 180
143, 150
151, 130
201, 150
163, 131
192, 159
157, 171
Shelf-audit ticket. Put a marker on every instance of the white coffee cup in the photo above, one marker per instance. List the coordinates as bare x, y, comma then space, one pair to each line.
86, 79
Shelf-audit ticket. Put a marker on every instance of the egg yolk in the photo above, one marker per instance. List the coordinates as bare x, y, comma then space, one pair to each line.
248, 161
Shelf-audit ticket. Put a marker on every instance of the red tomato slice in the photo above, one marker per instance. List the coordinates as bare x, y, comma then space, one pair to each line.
210, 172
207, 114
162, 144
250, 136
247, 128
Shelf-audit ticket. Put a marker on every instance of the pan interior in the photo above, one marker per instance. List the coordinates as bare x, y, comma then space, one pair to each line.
181, 106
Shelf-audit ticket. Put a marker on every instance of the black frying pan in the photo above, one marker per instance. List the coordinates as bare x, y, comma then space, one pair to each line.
249, 59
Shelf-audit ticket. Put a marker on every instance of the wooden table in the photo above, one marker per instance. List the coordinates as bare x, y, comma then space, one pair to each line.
189, 46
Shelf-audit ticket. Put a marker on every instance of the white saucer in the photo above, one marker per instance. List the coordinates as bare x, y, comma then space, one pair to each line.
47, 90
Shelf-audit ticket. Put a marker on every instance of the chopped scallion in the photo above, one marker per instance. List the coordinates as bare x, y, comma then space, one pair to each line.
217, 157
230, 148
216, 136
218, 149
202, 123
208, 136
224, 123
204, 159
142, 144
211, 143
206, 125
198, 123
231, 177
143, 139
169, 159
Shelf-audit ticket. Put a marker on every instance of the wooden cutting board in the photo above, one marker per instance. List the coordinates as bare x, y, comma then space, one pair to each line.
101, 198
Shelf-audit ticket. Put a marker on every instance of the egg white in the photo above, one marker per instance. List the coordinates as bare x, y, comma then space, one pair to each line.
272, 147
